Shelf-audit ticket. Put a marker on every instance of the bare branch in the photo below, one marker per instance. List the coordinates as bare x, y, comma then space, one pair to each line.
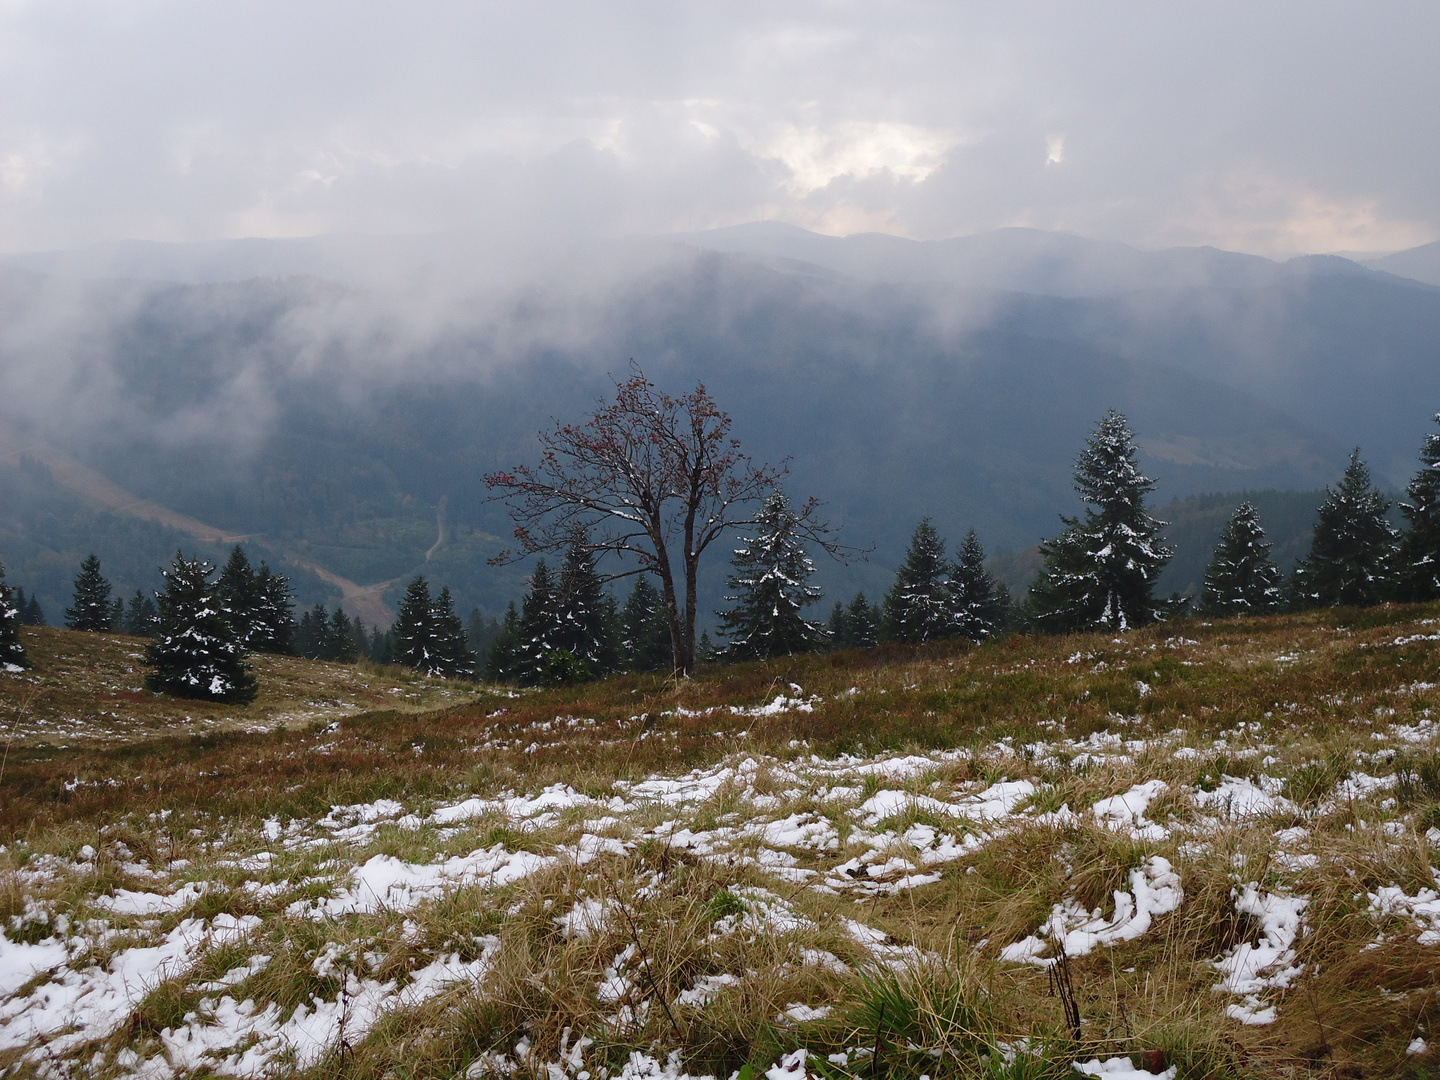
644, 472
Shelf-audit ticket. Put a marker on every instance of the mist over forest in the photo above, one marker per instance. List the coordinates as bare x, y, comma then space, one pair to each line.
342, 424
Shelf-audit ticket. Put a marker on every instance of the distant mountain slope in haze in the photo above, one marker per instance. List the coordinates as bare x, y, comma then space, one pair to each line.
1040, 261
342, 258
1036, 261
1420, 263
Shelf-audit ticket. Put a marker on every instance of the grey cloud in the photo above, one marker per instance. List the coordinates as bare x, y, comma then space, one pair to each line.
1274, 128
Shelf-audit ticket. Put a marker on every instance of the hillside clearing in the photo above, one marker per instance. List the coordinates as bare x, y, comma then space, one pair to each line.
1206, 849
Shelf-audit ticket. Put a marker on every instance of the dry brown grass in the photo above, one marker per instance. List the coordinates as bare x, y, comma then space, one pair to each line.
87, 690
1298, 698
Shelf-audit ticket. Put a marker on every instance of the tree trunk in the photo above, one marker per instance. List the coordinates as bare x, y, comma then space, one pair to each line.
691, 600
672, 611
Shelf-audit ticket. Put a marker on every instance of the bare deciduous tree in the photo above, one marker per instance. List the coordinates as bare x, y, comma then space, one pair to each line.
646, 473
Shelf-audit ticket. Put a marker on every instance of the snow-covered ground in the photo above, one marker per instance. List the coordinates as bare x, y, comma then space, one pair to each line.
76, 964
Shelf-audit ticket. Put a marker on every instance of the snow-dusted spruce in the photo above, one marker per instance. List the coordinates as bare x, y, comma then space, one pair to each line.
240, 592
91, 607
645, 628
917, 607
588, 622
1100, 572
414, 630
341, 645
272, 623
978, 606
1242, 579
538, 661
429, 636
12, 651
770, 583
455, 658
1352, 552
1418, 563
196, 652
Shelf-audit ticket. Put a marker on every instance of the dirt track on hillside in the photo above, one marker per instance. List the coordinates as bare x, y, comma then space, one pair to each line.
366, 601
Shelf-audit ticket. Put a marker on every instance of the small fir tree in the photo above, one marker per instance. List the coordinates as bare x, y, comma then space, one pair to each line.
480, 637
30, 613
415, 636
855, 625
864, 622
977, 604
310, 638
917, 607
453, 659
770, 579
240, 590
587, 619
91, 608
1100, 572
503, 663
1241, 579
12, 649
1418, 561
705, 650
645, 628
272, 621
540, 632
140, 615
359, 639
340, 644
382, 647
1352, 550
196, 653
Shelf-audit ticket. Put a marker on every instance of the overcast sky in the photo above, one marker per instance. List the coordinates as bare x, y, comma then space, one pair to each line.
1276, 128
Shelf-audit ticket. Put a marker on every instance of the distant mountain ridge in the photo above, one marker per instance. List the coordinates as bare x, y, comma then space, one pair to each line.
1022, 260
1420, 263
1044, 262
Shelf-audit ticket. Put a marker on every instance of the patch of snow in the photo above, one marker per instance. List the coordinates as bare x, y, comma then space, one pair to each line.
801, 1013
127, 902
312, 1031
1154, 890
1238, 798
1120, 1068
705, 990
1127, 812
586, 919
1423, 909
20, 962
387, 883
78, 1006
1269, 963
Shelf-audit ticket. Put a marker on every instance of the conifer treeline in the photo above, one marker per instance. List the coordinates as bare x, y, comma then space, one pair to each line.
569, 627
1357, 557
1099, 572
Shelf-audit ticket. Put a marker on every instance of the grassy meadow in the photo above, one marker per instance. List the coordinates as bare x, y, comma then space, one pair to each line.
1198, 850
